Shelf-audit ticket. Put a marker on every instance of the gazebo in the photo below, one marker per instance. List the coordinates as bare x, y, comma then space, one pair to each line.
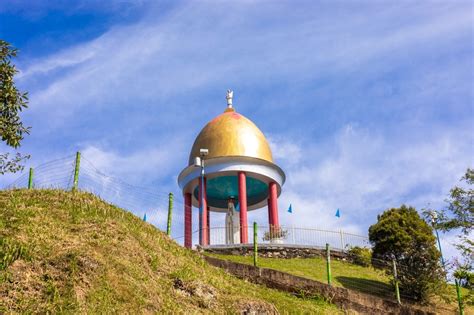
230, 170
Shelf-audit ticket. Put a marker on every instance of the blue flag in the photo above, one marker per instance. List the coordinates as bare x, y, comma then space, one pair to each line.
338, 214
144, 217
290, 210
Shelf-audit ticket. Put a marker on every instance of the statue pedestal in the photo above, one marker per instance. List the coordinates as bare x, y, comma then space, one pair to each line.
276, 241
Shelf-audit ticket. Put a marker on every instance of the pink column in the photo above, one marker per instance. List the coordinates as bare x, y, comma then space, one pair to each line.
188, 221
243, 208
203, 216
274, 204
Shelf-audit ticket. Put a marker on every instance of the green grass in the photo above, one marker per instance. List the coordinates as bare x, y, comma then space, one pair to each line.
344, 274
65, 252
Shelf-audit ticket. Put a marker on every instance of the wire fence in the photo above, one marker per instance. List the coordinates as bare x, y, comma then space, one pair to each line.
313, 250
53, 174
397, 280
144, 202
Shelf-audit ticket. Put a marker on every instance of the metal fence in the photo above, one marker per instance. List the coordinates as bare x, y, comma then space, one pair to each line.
290, 235
77, 169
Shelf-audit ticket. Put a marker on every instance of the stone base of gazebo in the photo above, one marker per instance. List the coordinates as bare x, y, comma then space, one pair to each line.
273, 251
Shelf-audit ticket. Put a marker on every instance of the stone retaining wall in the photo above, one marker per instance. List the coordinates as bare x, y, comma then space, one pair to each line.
342, 297
273, 251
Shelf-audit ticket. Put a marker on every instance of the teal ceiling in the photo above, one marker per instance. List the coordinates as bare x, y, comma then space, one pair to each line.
220, 189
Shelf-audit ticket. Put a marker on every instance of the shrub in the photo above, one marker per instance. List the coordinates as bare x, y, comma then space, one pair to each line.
400, 234
465, 277
360, 255
275, 233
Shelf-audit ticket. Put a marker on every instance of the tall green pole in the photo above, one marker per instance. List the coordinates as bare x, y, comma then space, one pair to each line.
170, 212
328, 262
30, 179
395, 277
439, 246
458, 292
76, 171
434, 217
255, 249
441, 252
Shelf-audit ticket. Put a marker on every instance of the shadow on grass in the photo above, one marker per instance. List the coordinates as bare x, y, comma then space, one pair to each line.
372, 287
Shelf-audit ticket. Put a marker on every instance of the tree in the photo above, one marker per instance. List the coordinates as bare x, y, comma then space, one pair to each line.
459, 215
12, 102
460, 212
400, 234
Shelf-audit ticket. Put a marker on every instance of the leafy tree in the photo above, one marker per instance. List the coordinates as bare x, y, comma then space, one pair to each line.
460, 212
459, 215
12, 102
400, 234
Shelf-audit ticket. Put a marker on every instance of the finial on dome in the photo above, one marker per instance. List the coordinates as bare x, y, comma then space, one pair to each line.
229, 96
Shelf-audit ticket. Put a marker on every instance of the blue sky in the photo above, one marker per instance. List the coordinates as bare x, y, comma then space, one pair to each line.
367, 104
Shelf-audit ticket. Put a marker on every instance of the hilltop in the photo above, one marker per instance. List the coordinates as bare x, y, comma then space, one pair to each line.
72, 252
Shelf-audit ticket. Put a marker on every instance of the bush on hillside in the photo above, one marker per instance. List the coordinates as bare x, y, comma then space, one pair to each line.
465, 277
400, 234
360, 255
275, 233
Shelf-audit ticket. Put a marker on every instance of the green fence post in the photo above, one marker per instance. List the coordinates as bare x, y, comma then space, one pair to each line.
328, 262
458, 292
395, 277
30, 179
76, 171
170, 211
255, 249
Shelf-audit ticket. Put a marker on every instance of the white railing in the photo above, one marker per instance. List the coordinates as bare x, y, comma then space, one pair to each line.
338, 240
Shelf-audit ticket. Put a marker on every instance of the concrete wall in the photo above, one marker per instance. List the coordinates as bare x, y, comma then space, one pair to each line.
342, 297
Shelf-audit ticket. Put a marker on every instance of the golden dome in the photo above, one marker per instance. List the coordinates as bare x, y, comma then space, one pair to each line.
231, 134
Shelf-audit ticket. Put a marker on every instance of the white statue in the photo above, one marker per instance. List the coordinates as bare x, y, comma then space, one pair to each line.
230, 95
232, 224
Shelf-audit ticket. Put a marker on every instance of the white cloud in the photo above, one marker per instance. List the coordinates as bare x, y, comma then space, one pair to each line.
68, 58
284, 150
153, 60
133, 167
364, 174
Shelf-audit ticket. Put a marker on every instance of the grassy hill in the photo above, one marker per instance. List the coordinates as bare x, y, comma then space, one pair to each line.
73, 253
